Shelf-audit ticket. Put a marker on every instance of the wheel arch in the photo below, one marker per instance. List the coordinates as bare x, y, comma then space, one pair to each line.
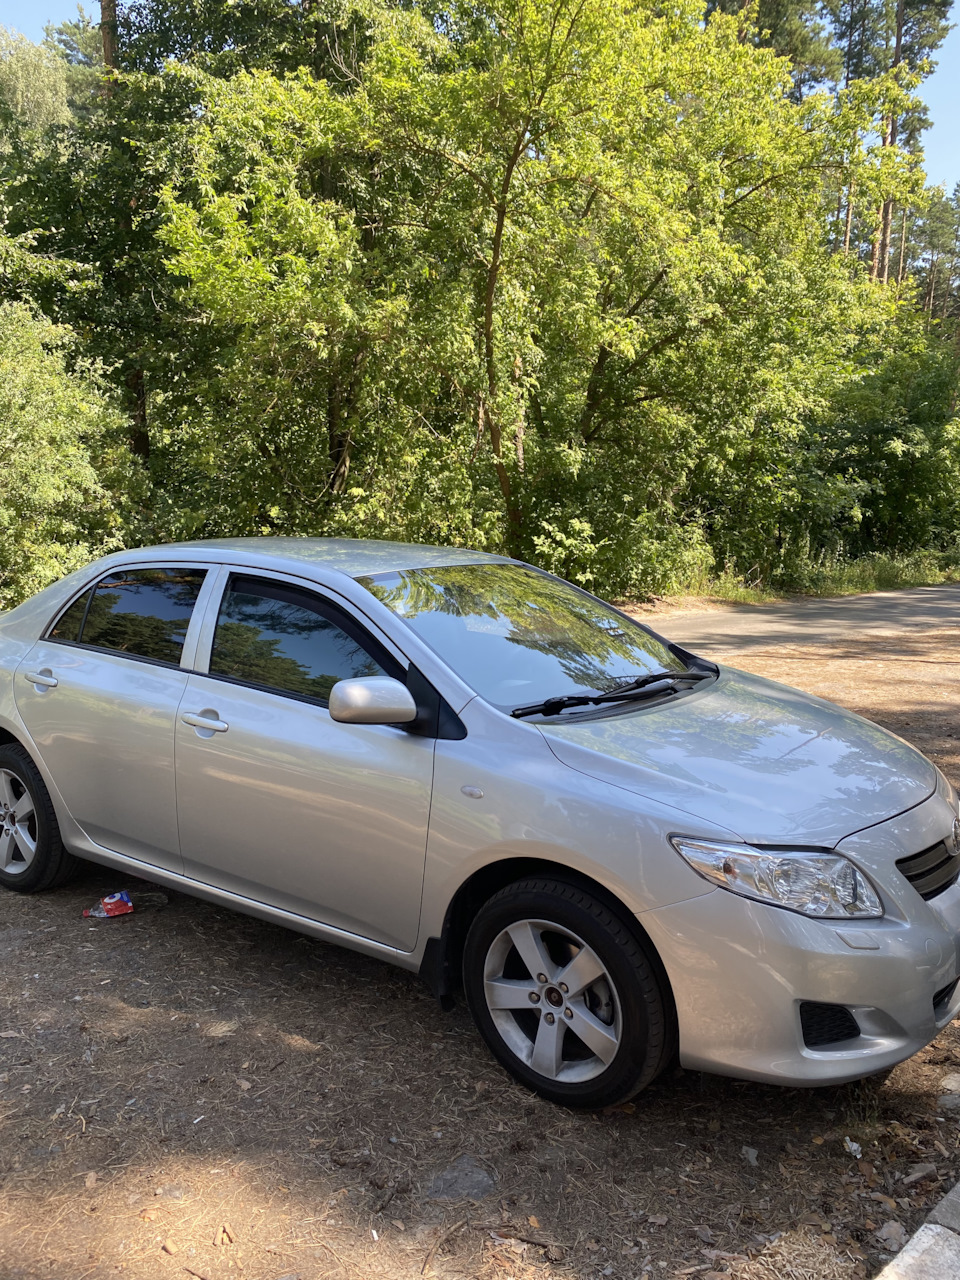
442, 959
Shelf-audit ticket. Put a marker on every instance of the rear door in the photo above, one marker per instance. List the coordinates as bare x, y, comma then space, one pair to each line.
99, 695
277, 801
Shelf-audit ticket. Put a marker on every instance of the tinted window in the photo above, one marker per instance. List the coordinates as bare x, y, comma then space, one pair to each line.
271, 635
518, 636
144, 612
67, 626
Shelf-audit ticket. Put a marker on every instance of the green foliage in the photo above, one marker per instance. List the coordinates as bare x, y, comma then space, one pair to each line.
79, 45
563, 279
797, 30
397, 275
58, 458
33, 83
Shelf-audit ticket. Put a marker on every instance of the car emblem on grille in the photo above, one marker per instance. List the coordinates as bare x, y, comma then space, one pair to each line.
956, 837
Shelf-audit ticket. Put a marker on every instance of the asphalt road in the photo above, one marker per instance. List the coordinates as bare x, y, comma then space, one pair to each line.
814, 621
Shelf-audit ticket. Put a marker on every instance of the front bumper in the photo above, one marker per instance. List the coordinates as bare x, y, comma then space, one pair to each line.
740, 970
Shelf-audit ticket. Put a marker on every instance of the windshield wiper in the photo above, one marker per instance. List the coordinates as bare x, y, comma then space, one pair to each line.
642, 687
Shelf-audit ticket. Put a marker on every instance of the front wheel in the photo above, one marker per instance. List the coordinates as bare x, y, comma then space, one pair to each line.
565, 996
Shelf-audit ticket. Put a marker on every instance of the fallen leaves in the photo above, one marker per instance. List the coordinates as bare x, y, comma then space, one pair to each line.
887, 1201
892, 1236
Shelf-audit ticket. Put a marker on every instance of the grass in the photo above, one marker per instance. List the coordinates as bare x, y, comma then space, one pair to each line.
834, 577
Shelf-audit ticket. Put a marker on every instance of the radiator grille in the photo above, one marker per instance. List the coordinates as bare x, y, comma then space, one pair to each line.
932, 870
825, 1024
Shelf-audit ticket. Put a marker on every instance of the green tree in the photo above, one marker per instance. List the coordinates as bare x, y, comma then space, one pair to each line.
799, 30
530, 284
551, 277
60, 465
33, 83
79, 44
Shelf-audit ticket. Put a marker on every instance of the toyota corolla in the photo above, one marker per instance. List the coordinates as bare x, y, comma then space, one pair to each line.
623, 853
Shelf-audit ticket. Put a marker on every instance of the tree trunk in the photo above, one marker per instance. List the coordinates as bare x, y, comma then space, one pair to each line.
875, 250
946, 292
890, 140
488, 402
886, 232
931, 284
139, 438
848, 225
903, 247
108, 33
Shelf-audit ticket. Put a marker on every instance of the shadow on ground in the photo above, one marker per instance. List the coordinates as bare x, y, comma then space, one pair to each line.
186, 1091
167, 1073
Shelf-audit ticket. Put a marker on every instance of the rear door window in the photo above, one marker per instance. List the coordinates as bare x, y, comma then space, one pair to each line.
290, 641
141, 612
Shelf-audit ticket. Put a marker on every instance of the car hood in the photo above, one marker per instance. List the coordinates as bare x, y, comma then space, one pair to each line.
772, 764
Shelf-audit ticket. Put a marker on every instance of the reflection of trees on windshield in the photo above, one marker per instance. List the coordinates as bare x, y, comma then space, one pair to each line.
284, 645
591, 645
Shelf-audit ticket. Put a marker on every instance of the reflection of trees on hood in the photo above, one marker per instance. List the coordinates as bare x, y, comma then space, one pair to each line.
544, 615
767, 734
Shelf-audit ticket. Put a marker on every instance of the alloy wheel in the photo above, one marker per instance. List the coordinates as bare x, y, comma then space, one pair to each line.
18, 824
552, 1001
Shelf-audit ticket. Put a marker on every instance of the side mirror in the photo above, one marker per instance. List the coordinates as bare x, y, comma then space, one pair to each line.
372, 700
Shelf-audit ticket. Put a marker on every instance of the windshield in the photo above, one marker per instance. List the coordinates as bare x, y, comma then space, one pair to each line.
517, 635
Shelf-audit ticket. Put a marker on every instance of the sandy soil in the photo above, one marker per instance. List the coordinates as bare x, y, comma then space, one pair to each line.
187, 1092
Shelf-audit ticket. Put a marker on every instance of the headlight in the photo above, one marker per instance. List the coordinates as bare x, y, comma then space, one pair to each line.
825, 885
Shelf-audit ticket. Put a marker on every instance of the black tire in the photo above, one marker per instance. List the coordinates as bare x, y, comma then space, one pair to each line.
51, 865
639, 1009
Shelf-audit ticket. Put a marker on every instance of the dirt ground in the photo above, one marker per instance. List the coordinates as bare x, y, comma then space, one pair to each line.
188, 1092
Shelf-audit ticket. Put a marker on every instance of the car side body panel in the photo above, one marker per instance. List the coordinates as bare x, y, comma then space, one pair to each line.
106, 731
532, 806
319, 818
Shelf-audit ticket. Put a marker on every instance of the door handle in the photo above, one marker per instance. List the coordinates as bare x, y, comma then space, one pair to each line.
205, 721
43, 679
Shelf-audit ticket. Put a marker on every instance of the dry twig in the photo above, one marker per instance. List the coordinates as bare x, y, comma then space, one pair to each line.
441, 1240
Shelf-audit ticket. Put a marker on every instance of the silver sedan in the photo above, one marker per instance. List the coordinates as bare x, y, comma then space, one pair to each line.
622, 852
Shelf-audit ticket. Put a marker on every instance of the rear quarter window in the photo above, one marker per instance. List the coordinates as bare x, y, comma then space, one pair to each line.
67, 626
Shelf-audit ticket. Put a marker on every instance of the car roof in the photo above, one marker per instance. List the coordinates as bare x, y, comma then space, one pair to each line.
355, 557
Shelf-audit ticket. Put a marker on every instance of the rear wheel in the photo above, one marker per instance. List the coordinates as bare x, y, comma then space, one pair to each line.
32, 856
565, 995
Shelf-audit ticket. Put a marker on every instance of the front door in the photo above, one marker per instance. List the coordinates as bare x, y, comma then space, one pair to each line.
277, 801
99, 695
